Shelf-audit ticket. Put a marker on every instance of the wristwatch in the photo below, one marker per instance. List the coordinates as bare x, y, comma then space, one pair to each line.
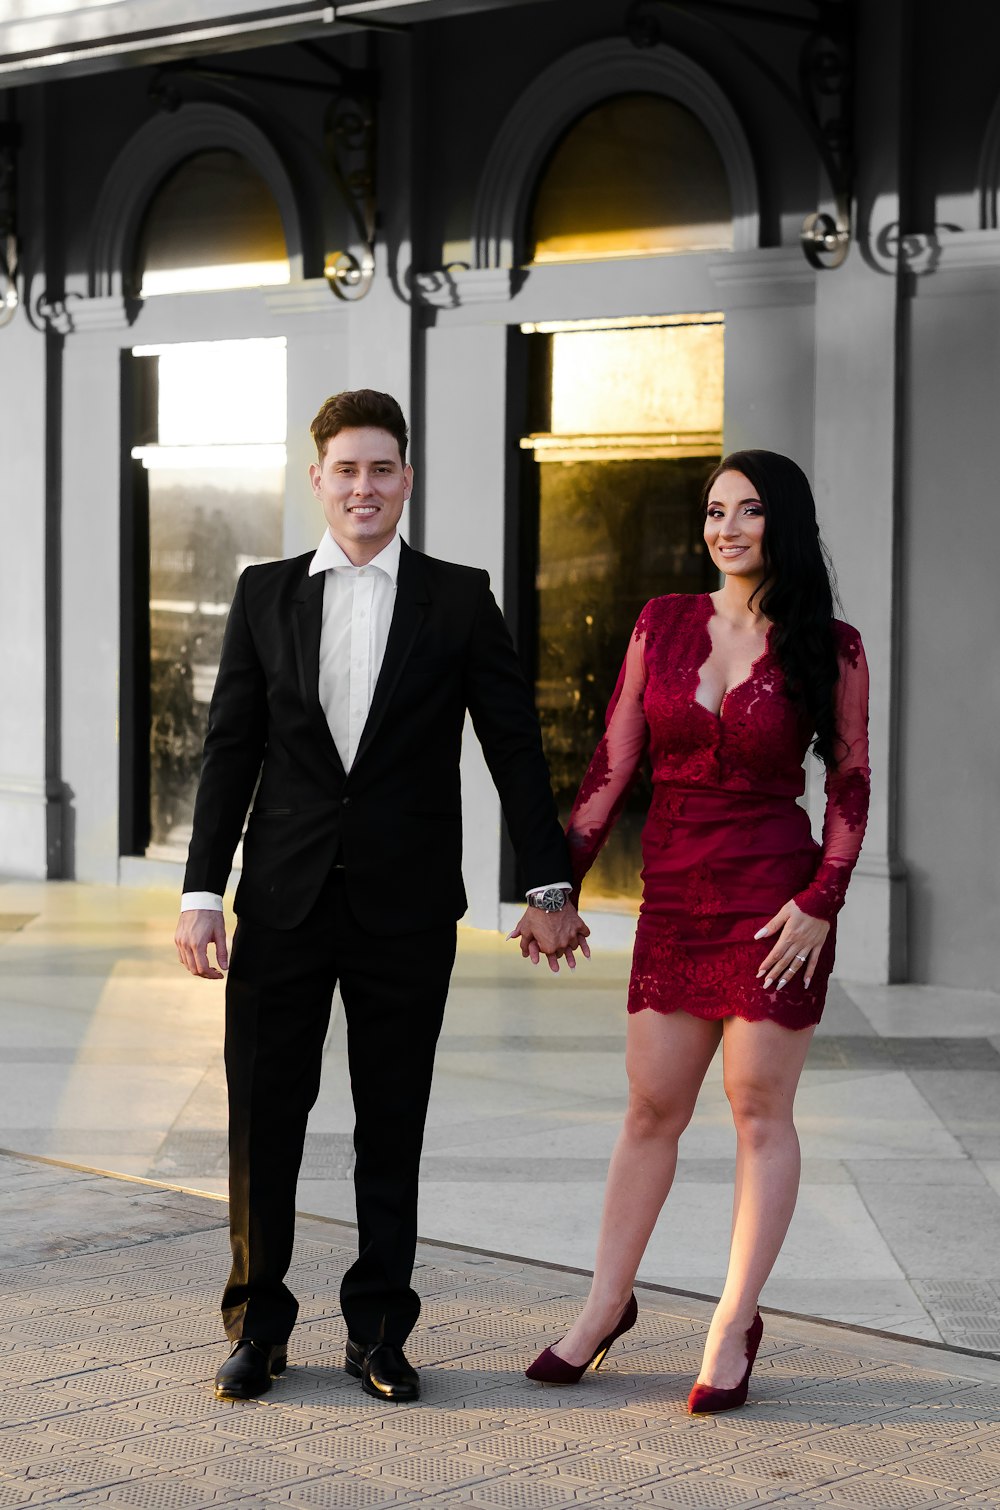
548, 898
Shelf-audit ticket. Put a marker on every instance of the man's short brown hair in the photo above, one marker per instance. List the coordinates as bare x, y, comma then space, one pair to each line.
359, 409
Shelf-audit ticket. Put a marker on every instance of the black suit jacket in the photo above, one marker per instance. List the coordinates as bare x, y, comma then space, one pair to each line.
395, 819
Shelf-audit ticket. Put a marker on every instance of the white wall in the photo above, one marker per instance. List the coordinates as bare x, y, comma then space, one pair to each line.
22, 600
950, 790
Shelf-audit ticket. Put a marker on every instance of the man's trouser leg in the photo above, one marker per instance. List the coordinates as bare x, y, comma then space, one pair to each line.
394, 991
278, 996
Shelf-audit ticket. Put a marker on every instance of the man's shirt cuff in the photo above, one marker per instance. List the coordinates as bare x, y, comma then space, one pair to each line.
549, 886
206, 901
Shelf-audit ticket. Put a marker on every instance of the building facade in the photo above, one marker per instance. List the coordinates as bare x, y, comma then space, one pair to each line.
590, 245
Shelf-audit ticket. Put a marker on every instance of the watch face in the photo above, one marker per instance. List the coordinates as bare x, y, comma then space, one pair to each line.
553, 899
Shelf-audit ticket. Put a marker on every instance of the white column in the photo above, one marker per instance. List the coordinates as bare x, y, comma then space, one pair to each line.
23, 805
858, 419
91, 598
463, 482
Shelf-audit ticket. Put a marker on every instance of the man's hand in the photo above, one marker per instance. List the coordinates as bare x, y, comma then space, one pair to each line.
195, 931
554, 934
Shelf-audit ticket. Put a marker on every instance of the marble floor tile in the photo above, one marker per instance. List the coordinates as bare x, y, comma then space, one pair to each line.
110, 1056
927, 1011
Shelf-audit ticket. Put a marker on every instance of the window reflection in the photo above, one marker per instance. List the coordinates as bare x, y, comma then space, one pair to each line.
213, 510
635, 176
213, 223
633, 427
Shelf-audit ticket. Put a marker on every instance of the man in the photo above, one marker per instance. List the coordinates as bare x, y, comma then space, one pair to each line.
341, 696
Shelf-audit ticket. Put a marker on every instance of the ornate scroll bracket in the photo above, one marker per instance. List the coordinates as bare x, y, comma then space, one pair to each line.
350, 140
348, 151
10, 141
822, 98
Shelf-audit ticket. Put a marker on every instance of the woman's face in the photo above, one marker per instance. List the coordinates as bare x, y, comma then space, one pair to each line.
734, 527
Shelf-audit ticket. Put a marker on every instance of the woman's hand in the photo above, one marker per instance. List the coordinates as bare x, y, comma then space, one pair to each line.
554, 934
800, 939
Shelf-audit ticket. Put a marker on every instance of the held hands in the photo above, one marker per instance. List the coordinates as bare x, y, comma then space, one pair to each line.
554, 934
800, 940
197, 929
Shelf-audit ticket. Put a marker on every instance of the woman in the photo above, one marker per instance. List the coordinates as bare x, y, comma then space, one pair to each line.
735, 942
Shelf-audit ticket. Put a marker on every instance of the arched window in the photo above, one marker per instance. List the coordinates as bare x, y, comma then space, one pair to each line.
637, 175
212, 223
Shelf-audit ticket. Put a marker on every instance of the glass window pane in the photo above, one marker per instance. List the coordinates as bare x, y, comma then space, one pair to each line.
212, 223
213, 510
639, 174
617, 487
646, 381
612, 535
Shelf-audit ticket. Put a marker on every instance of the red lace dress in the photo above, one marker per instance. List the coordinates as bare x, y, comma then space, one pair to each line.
725, 843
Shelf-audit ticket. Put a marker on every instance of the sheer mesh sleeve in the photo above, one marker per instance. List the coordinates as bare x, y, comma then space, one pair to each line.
615, 764
848, 786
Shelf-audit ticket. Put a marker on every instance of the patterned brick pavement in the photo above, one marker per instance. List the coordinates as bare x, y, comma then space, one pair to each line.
109, 1338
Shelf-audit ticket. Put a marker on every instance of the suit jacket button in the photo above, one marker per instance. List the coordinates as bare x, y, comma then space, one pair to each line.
345, 801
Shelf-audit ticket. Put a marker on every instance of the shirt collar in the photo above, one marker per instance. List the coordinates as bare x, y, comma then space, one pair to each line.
329, 556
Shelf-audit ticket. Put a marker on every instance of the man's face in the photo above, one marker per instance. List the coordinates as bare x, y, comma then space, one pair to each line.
362, 485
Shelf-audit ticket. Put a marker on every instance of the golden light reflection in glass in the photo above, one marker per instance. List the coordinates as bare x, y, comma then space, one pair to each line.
636, 176
620, 393
212, 224
634, 413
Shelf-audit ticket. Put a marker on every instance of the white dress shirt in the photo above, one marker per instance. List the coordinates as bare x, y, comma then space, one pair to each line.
357, 612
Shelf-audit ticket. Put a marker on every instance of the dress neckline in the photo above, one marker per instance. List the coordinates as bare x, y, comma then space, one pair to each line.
703, 662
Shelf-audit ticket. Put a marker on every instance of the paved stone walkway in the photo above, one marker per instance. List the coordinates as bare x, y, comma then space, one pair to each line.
111, 1057
109, 1338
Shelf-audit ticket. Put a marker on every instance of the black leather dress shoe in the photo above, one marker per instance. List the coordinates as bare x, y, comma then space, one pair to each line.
383, 1371
249, 1369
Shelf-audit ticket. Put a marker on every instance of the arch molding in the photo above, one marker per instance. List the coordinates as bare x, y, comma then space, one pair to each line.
141, 166
564, 92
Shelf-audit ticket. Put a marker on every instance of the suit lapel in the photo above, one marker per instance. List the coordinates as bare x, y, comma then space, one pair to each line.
412, 598
307, 622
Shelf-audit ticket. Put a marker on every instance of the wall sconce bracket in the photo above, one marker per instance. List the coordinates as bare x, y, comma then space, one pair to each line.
822, 97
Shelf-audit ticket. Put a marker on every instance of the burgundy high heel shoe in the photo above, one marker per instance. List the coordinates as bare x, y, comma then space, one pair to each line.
705, 1398
549, 1368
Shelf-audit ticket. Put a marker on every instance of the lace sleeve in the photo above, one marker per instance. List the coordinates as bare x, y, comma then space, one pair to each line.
615, 763
848, 785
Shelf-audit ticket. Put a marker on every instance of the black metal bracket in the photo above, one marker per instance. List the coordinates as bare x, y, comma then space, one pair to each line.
348, 152
10, 299
822, 98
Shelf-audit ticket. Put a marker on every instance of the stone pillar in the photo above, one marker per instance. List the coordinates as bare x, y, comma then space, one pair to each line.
91, 585
859, 318
464, 479
23, 673
29, 791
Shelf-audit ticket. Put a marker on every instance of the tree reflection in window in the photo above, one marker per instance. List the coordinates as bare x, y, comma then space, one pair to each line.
215, 482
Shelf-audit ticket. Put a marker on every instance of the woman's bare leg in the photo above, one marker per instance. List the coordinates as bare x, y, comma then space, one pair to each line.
666, 1057
762, 1063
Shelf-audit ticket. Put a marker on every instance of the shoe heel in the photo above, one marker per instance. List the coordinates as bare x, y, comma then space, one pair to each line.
278, 1365
599, 1358
354, 1369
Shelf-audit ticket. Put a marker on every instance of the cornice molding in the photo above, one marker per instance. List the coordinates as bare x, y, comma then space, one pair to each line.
778, 275
451, 288
957, 262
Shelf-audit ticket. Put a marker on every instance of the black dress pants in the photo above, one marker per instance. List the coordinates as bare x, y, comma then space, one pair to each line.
278, 998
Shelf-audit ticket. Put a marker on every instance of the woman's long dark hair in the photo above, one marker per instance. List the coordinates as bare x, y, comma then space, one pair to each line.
799, 590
